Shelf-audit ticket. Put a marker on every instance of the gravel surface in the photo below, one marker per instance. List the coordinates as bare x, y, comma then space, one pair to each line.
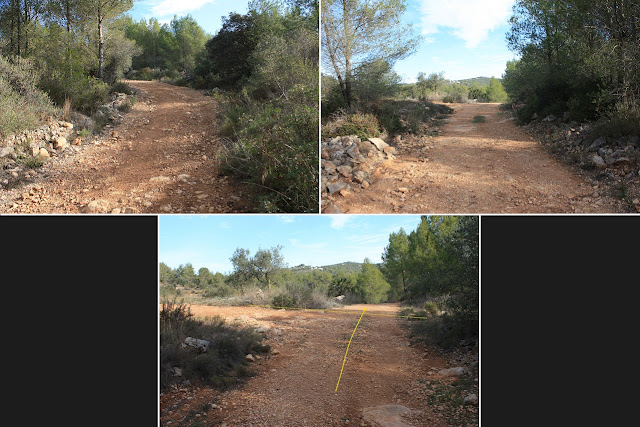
295, 384
490, 167
160, 159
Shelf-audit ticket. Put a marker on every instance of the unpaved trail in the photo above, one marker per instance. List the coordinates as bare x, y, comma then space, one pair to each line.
295, 384
491, 167
159, 159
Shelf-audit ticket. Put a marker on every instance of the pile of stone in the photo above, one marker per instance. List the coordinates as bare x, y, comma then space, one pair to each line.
112, 109
348, 162
41, 141
618, 157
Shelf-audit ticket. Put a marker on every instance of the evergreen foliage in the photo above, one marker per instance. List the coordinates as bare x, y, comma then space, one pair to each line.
576, 56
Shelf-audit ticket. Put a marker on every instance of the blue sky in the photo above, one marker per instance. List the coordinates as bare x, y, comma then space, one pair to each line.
209, 240
463, 38
208, 13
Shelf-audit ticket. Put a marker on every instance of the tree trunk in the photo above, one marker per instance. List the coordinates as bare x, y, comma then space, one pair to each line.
19, 16
68, 16
100, 47
11, 36
347, 54
26, 28
347, 83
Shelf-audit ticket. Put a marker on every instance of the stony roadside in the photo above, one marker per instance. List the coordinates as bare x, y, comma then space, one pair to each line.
609, 163
158, 158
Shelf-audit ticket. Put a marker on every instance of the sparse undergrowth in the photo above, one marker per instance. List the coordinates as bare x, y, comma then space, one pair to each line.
448, 398
388, 116
221, 366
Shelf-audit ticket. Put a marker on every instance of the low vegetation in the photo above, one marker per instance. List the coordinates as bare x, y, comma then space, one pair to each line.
223, 365
23, 104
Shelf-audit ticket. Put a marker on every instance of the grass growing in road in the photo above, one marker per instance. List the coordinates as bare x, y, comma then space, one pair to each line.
479, 119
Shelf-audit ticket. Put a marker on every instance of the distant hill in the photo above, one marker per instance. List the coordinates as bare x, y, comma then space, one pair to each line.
349, 267
480, 81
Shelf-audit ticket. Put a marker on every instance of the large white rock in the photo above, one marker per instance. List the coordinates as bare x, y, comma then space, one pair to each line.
386, 415
379, 143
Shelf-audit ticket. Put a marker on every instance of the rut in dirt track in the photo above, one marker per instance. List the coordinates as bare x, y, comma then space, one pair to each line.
490, 167
160, 159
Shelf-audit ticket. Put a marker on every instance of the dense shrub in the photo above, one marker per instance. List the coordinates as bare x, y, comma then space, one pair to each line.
85, 93
22, 104
361, 124
455, 93
444, 331
273, 145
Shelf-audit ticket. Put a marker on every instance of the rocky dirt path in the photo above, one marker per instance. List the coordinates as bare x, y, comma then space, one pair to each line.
296, 382
491, 167
161, 158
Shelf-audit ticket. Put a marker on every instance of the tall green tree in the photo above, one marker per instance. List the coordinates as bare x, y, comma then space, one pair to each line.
576, 56
395, 265
359, 32
226, 62
103, 13
266, 263
243, 271
190, 39
371, 285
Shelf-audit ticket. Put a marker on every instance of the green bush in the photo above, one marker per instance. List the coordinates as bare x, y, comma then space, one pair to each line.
274, 145
145, 73
431, 308
301, 295
122, 87
85, 93
22, 104
284, 300
623, 121
446, 332
455, 93
363, 125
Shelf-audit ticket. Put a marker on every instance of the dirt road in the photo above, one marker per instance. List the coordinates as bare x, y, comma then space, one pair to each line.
159, 159
296, 383
491, 167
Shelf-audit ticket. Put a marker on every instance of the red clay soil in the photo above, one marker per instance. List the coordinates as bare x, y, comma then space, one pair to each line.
160, 159
491, 167
295, 384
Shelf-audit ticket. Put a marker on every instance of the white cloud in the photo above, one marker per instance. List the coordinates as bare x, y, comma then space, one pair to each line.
339, 221
287, 218
176, 7
471, 20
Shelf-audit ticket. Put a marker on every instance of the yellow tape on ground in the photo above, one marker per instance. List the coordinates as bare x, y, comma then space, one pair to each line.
345, 353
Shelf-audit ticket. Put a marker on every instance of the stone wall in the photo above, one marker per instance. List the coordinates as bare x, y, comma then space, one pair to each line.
348, 161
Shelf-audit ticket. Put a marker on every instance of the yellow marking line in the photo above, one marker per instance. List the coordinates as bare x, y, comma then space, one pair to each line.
345, 353
337, 311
